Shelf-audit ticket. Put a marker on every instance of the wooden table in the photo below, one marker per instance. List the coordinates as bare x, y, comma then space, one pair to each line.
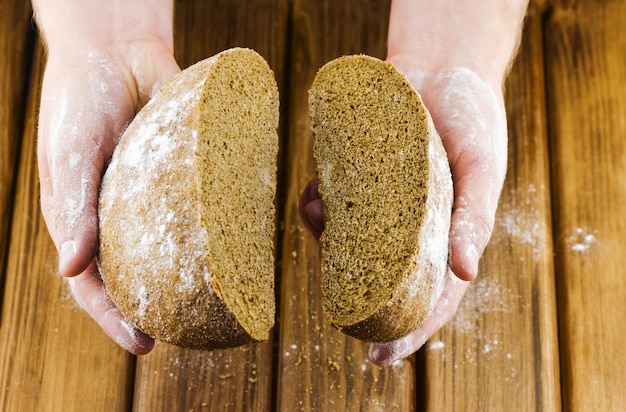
542, 328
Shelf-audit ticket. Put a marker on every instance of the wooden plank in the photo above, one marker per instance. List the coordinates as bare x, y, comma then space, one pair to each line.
52, 355
15, 42
500, 351
319, 368
239, 379
585, 49
173, 378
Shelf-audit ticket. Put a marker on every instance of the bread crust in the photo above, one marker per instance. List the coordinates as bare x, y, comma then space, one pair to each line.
154, 253
412, 299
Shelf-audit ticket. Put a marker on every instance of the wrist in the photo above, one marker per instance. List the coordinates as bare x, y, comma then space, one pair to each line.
76, 26
437, 37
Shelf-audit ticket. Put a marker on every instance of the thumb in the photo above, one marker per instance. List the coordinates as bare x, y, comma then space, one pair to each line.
472, 219
150, 69
470, 118
311, 209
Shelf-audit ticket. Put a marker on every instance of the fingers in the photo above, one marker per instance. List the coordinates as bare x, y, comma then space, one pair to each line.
150, 68
90, 294
311, 210
478, 174
384, 354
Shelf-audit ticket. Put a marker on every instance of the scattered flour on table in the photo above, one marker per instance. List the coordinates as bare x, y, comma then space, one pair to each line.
482, 343
582, 239
436, 345
484, 296
519, 220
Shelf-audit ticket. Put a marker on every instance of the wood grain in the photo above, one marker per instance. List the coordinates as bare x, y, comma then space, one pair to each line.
321, 369
559, 219
15, 41
52, 355
239, 379
172, 378
585, 49
500, 350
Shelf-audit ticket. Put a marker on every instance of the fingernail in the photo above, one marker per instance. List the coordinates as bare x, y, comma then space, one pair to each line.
132, 339
376, 354
68, 251
387, 353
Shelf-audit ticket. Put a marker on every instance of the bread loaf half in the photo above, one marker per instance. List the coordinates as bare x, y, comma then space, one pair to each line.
187, 215
386, 187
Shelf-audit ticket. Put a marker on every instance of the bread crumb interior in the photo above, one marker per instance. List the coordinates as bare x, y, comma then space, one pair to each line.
371, 147
237, 154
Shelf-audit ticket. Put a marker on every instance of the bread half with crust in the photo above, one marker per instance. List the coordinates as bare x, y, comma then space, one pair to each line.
386, 188
186, 209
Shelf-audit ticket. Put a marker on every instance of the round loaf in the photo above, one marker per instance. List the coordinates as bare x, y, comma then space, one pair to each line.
186, 209
386, 188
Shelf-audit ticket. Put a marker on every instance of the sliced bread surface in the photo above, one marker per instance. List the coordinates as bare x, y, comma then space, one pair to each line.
186, 210
386, 188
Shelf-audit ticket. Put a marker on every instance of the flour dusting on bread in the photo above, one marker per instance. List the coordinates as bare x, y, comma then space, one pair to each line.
187, 207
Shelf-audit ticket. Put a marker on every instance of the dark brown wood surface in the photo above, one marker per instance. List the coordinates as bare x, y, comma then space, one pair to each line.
320, 369
15, 53
241, 379
540, 329
586, 56
501, 348
52, 355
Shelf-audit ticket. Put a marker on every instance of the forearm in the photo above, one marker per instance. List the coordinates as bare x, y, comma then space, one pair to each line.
480, 35
85, 23
134, 36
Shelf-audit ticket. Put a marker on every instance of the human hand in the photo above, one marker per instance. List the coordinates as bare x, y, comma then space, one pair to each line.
468, 112
92, 88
